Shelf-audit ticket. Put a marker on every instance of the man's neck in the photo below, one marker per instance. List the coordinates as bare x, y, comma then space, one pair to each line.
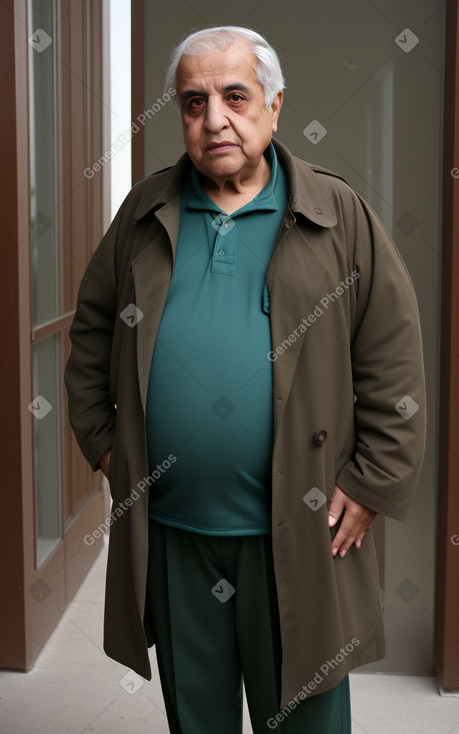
233, 192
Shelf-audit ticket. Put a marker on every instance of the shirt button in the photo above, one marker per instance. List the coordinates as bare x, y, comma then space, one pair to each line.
221, 252
226, 225
318, 211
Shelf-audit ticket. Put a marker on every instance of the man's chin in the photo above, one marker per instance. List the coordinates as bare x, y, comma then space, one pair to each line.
225, 167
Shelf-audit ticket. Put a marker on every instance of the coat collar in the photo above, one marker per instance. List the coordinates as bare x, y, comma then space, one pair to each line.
307, 194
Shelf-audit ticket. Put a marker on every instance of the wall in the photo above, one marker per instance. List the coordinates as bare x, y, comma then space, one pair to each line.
371, 75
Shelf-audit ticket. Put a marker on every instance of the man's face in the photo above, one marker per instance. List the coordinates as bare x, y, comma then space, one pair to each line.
226, 124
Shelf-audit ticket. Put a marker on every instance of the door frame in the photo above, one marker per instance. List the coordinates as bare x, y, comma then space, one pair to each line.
447, 562
34, 599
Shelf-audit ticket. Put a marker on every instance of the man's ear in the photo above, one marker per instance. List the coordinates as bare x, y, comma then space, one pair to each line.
276, 108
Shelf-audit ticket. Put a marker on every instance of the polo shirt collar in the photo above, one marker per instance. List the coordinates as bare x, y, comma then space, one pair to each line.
265, 199
306, 192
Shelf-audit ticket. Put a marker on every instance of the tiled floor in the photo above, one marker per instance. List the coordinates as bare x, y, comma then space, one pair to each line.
75, 688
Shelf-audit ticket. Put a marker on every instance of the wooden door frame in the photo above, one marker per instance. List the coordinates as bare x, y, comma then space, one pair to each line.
447, 564
34, 599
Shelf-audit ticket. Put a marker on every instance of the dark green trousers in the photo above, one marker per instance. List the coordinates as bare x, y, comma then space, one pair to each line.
213, 609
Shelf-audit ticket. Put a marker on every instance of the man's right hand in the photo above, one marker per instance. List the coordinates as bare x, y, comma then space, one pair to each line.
105, 461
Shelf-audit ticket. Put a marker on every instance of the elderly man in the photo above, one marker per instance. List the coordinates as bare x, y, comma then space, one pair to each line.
246, 369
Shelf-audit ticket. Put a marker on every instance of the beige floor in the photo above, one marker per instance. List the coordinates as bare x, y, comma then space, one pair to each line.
75, 688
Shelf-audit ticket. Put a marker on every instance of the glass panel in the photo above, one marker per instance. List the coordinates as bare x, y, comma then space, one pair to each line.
43, 161
46, 409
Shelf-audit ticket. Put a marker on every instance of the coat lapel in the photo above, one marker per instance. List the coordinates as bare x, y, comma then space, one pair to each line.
291, 301
152, 271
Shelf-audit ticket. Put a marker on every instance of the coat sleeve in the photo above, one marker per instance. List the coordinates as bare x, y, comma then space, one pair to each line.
92, 412
388, 374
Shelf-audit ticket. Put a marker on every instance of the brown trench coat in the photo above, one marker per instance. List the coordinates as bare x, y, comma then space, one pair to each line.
348, 402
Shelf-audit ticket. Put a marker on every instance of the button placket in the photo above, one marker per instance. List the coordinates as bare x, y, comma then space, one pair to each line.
224, 250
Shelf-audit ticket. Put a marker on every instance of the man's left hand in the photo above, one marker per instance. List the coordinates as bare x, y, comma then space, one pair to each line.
356, 520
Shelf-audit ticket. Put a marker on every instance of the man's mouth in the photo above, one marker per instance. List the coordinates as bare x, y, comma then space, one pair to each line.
221, 147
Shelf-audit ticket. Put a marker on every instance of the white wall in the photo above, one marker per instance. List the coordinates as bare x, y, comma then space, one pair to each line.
120, 101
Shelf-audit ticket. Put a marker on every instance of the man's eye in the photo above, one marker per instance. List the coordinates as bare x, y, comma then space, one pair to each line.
236, 97
196, 102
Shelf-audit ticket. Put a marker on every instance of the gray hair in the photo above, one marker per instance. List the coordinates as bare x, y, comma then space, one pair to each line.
269, 72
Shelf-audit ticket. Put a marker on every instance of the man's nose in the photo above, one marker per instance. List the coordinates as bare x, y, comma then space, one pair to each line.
216, 118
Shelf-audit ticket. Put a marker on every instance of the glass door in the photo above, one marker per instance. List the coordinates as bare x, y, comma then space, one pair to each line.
43, 145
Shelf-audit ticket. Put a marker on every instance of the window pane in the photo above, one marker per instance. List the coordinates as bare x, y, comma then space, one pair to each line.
43, 146
46, 409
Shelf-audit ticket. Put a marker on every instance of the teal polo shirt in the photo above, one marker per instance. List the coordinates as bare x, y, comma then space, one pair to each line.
209, 399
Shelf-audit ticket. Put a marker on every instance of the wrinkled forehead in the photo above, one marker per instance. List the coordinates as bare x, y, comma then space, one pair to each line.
217, 65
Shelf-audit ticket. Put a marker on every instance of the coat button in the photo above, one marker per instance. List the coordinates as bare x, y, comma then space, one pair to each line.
320, 437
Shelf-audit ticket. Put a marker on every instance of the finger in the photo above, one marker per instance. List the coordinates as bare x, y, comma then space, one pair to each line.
352, 531
354, 535
353, 528
344, 537
336, 508
345, 545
